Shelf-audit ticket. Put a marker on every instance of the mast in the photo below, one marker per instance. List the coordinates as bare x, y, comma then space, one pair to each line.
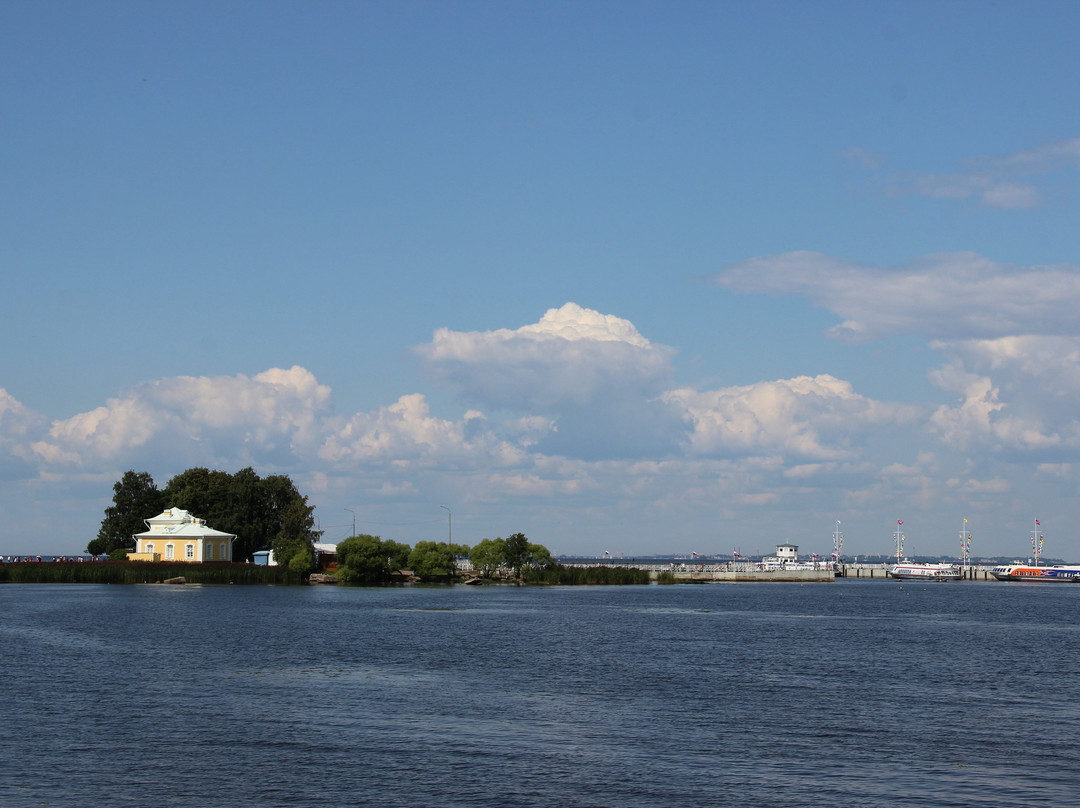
965, 545
1036, 542
837, 543
899, 541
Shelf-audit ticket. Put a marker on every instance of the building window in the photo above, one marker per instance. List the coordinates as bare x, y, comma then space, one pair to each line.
209, 552
149, 549
169, 551
189, 551
224, 552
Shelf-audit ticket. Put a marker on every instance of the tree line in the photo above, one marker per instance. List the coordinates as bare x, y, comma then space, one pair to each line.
263, 512
270, 513
371, 559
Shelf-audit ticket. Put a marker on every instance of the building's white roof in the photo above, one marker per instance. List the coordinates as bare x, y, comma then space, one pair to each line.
188, 531
178, 523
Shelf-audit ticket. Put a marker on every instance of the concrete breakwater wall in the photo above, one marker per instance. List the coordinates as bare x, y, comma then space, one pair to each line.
748, 574
977, 573
753, 575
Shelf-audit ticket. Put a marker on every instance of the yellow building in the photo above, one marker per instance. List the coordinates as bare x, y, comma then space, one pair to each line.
176, 535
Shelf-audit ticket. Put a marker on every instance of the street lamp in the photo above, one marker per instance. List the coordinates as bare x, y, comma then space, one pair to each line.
350, 510
449, 525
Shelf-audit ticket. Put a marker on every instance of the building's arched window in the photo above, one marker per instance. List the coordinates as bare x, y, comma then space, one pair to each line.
209, 551
149, 548
189, 551
169, 551
224, 552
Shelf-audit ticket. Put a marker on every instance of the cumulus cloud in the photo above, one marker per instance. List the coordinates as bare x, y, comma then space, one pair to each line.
1016, 393
572, 355
810, 418
266, 417
1009, 334
593, 374
406, 432
578, 408
945, 296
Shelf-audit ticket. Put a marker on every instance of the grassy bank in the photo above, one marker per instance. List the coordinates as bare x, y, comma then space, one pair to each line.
143, 572
568, 576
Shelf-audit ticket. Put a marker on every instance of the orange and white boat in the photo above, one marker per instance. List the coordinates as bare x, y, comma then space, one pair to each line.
1035, 572
1028, 572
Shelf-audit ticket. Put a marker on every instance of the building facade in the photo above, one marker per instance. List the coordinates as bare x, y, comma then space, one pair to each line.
176, 535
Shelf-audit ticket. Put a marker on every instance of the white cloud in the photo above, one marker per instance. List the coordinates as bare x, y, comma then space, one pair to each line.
572, 355
996, 485
1010, 335
805, 417
243, 419
1017, 393
948, 296
1008, 182
593, 375
20, 427
407, 433
596, 439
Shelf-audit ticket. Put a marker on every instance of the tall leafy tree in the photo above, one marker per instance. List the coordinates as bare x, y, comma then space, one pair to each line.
516, 553
265, 513
293, 544
203, 493
366, 559
487, 556
135, 497
288, 520
539, 556
430, 559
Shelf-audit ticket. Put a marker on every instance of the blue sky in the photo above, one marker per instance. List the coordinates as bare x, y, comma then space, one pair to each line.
630, 277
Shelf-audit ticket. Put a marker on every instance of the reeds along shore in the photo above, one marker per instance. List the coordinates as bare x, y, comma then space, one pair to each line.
564, 576
142, 572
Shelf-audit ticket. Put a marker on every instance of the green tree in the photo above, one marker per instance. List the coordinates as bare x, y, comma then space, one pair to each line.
366, 559
516, 554
487, 556
301, 561
539, 556
295, 538
135, 497
265, 513
430, 559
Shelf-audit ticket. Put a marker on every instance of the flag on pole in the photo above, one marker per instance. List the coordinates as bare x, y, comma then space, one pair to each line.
1038, 522
901, 521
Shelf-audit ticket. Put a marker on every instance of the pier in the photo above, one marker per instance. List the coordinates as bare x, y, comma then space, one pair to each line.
748, 571
752, 573
971, 573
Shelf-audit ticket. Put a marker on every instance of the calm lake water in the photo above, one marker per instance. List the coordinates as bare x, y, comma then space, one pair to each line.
858, 693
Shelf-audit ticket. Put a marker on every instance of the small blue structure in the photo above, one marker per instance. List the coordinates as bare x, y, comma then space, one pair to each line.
262, 558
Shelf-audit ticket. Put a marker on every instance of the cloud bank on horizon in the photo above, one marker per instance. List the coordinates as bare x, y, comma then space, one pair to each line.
577, 412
